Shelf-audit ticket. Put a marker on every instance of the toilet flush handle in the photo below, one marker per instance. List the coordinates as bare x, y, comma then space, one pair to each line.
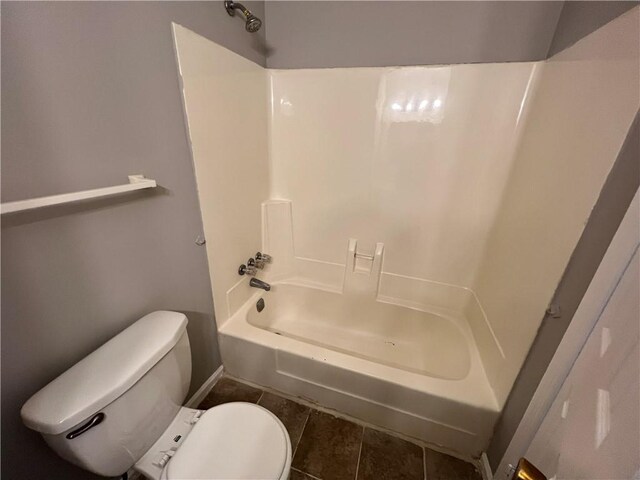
95, 420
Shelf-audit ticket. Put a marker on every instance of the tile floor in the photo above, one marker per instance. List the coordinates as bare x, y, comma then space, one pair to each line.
330, 448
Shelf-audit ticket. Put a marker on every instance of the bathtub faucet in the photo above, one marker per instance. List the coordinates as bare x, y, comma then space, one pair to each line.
254, 282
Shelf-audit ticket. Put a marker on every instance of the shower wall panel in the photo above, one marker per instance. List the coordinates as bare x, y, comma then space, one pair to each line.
226, 114
416, 158
586, 100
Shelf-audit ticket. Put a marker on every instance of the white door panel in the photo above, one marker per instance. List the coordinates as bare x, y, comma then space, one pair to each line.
599, 438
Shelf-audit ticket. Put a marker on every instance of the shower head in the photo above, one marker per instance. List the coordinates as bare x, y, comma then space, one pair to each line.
252, 23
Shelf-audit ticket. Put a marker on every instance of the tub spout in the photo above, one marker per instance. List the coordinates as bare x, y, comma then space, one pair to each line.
254, 282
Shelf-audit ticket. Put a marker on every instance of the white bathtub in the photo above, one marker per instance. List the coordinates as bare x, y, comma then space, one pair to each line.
414, 372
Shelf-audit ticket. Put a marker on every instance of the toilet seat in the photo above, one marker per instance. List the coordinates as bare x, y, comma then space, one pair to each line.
239, 441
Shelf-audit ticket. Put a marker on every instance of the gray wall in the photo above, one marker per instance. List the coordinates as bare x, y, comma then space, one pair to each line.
312, 34
580, 18
317, 34
89, 95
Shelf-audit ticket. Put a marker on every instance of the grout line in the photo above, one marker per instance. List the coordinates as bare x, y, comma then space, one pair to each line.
306, 420
261, 395
307, 474
424, 461
359, 453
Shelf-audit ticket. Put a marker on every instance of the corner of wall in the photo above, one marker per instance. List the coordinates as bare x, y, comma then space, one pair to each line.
491, 352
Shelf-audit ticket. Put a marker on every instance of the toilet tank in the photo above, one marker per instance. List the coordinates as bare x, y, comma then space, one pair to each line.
107, 410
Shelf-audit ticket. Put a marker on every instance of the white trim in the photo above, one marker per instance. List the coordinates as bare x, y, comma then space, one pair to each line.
612, 267
197, 397
136, 182
487, 324
485, 468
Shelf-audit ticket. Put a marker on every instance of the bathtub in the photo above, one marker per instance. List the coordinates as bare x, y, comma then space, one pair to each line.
410, 371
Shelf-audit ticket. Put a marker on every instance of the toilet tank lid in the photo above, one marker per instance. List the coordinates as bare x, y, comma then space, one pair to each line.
104, 375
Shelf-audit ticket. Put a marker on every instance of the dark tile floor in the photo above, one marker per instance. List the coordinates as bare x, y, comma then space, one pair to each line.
331, 448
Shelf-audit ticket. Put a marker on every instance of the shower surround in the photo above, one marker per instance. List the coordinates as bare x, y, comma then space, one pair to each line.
383, 189
416, 217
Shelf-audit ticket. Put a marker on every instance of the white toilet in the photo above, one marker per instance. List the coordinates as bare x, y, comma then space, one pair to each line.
120, 407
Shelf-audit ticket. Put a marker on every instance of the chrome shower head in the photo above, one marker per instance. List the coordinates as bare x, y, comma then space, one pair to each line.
252, 23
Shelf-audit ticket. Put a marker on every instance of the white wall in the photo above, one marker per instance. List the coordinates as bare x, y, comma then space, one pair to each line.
586, 100
226, 114
415, 157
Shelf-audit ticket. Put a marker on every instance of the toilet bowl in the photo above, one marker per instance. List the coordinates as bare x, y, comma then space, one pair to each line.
121, 408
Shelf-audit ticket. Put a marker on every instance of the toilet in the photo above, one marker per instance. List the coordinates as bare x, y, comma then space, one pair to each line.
121, 408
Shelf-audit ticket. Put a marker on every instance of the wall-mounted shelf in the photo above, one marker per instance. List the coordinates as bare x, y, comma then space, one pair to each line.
136, 182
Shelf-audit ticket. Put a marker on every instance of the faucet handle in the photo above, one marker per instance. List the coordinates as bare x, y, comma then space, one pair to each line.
258, 263
247, 270
263, 257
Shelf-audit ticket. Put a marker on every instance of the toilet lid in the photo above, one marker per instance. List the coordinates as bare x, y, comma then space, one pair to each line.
233, 441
